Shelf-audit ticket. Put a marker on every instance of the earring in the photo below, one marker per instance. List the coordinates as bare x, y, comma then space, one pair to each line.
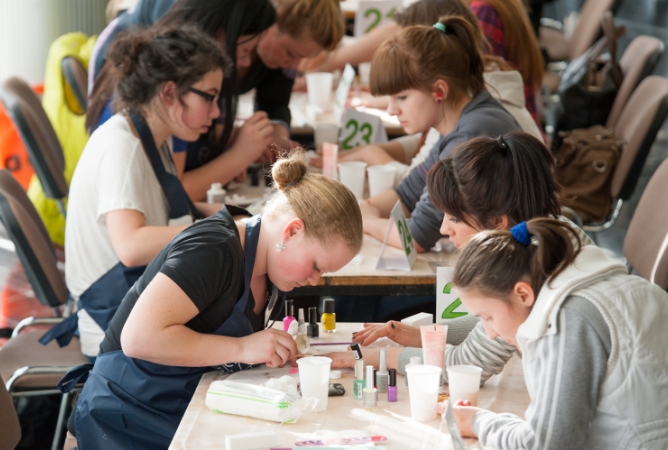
439, 97
280, 247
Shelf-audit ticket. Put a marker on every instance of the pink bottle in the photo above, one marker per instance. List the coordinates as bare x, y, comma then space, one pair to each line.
289, 314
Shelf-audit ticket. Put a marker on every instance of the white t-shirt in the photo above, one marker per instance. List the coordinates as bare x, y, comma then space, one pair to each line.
113, 173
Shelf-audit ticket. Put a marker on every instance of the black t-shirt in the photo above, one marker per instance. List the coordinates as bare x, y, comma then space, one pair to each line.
207, 262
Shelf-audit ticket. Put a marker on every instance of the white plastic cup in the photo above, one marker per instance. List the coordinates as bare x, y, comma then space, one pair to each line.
381, 178
351, 174
319, 87
423, 384
364, 70
314, 379
464, 382
325, 132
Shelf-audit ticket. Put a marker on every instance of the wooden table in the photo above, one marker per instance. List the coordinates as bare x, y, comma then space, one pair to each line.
203, 429
360, 277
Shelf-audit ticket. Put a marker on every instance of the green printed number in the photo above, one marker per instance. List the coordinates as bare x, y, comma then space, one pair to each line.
391, 13
405, 235
449, 312
366, 132
372, 12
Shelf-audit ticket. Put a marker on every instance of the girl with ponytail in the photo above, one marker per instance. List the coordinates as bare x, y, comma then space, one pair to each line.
592, 337
434, 77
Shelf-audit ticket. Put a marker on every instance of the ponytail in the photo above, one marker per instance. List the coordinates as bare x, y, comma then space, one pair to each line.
494, 261
421, 55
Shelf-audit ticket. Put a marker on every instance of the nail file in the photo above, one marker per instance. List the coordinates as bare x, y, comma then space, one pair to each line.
343, 441
456, 436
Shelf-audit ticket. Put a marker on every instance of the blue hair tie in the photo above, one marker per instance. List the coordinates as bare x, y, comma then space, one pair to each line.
439, 26
521, 234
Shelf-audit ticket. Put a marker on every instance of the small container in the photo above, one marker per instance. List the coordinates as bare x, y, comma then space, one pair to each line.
357, 351
216, 194
382, 376
370, 394
358, 383
415, 361
302, 340
329, 316
313, 329
392, 387
289, 314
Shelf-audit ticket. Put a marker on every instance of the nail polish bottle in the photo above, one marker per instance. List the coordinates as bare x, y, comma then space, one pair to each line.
313, 329
370, 394
382, 376
358, 383
289, 314
302, 339
392, 388
329, 316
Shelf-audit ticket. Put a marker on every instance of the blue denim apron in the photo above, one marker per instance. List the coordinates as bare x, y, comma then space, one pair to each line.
134, 404
102, 298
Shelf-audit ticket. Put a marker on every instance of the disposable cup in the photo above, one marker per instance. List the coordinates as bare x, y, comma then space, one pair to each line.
319, 87
423, 384
381, 178
464, 383
351, 174
314, 379
325, 132
364, 70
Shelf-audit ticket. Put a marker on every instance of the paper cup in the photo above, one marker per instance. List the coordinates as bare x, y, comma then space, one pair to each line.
423, 384
325, 132
381, 178
351, 174
464, 382
319, 87
314, 379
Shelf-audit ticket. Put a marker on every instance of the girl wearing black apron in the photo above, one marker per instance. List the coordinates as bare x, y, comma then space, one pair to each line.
191, 310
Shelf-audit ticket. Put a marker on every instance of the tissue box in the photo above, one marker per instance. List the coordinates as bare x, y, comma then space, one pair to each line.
419, 319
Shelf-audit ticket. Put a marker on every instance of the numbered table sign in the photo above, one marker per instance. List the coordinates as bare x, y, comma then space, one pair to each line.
373, 13
406, 258
341, 96
358, 128
329, 157
448, 304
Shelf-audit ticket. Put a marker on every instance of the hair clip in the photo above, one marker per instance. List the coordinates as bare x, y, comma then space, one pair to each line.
502, 143
440, 27
521, 234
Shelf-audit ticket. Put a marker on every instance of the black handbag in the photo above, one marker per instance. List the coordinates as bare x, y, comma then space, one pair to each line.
590, 83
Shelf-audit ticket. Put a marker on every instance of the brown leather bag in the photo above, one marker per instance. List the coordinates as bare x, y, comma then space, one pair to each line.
586, 161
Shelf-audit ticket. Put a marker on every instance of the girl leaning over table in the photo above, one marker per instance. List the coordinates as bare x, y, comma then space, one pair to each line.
434, 77
485, 184
192, 309
593, 341
126, 202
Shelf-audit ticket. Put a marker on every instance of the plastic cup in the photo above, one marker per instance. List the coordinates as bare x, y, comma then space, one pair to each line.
464, 382
314, 379
351, 174
423, 384
325, 132
319, 87
381, 178
364, 70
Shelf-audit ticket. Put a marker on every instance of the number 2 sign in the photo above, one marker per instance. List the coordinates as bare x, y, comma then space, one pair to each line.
358, 128
406, 258
373, 13
448, 303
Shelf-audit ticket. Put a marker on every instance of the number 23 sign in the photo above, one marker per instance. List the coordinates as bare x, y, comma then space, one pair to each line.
371, 14
358, 128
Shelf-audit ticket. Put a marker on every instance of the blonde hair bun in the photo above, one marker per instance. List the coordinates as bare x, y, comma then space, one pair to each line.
289, 169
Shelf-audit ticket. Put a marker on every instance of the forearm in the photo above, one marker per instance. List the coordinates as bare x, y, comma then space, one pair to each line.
359, 52
222, 170
385, 202
208, 209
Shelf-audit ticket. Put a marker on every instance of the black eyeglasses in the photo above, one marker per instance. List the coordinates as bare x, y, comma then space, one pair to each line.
205, 95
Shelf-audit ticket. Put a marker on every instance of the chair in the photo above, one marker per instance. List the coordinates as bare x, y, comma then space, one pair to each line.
29, 367
46, 153
10, 429
646, 241
558, 48
637, 63
75, 79
637, 126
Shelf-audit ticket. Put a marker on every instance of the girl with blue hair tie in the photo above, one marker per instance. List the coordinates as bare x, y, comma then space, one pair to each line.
592, 339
